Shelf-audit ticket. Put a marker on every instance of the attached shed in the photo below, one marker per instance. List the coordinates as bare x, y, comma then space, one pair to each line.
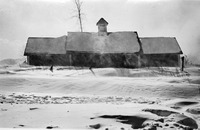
117, 49
160, 51
46, 51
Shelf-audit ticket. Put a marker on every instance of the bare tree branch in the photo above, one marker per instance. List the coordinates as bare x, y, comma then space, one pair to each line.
78, 4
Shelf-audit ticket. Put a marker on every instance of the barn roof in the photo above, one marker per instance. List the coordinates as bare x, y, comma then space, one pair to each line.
46, 45
117, 42
160, 45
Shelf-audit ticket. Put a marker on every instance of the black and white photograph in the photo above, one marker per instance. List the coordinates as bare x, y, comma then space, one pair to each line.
100, 64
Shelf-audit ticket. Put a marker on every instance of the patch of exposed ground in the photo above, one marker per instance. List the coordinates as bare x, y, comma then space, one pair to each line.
34, 99
160, 112
176, 121
136, 122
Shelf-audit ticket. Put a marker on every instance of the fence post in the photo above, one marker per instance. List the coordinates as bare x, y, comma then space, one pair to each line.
182, 63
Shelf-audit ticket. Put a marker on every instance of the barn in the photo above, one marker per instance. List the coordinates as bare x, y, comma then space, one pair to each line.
86, 49
41, 51
118, 49
160, 51
103, 49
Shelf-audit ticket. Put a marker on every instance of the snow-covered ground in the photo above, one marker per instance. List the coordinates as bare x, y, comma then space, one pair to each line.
108, 98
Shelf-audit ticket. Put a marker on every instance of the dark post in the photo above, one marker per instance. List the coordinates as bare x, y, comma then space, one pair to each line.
183, 63
51, 68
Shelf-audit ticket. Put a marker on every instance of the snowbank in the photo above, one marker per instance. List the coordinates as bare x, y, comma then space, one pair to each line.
108, 98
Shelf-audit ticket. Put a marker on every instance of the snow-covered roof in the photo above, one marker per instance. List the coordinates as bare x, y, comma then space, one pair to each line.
116, 42
46, 45
160, 45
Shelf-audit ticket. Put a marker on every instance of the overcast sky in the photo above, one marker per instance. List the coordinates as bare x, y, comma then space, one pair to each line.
20, 19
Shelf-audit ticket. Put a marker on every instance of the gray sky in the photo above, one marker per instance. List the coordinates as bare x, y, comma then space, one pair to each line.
20, 19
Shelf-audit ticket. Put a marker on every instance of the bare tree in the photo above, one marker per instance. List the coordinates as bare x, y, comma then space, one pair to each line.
79, 14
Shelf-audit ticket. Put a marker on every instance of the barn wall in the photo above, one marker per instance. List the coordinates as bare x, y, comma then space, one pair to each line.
104, 60
159, 60
86, 60
47, 60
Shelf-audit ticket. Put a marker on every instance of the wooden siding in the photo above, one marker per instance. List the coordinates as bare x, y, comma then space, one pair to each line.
160, 60
93, 60
47, 60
